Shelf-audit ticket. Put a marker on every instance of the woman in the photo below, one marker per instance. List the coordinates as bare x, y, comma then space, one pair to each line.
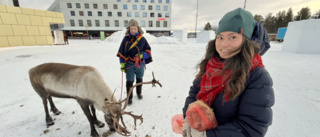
134, 53
232, 80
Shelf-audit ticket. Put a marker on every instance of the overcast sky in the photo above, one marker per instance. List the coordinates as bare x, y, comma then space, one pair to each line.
184, 11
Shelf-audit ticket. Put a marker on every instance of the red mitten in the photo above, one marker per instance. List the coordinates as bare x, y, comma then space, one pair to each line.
177, 122
201, 116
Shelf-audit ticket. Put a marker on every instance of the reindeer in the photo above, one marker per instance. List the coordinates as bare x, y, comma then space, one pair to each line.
86, 85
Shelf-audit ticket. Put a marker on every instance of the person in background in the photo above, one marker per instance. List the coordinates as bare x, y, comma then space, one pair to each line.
233, 82
65, 37
134, 52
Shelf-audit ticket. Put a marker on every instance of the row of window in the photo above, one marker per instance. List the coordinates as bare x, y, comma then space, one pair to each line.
115, 6
136, 14
116, 23
145, 1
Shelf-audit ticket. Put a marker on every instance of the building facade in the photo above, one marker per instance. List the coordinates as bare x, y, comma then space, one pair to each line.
94, 16
6, 2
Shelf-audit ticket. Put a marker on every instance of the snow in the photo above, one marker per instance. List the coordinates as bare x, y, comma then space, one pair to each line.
205, 36
296, 85
303, 36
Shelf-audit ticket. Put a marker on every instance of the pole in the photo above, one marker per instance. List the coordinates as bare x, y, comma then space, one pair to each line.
196, 19
245, 3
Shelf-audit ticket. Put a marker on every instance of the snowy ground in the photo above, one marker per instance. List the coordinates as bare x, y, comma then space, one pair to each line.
295, 76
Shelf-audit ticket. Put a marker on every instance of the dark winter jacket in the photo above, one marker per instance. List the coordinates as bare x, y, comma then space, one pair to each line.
249, 115
127, 53
260, 35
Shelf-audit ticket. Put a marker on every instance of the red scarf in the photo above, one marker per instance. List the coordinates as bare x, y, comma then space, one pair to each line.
213, 82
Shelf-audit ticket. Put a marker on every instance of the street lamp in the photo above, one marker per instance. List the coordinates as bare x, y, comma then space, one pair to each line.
87, 26
196, 19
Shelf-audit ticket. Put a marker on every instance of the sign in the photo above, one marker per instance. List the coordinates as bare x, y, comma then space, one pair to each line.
161, 18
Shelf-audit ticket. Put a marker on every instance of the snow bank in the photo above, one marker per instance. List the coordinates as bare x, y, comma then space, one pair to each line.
205, 36
180, 35
303, 37
118, 36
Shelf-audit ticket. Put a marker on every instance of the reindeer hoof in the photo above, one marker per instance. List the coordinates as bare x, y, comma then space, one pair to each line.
56, 111
50, 123
99, 124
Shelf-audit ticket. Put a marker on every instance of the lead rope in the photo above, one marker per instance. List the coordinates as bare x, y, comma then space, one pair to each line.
121, 86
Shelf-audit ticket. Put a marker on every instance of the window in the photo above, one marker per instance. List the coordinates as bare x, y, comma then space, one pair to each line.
144, 1
86, 5
159, 1
144, 14
165, 8
72, 23
69, 5
143, 23
158, 23
78, 5
72, 13
150, 23
134, 7
165, 24
89, 13
99, 13
81, 13
116, 23
89, 23
167, 15
128, 14
126, 23
105, 6
152, 1
107, 24
158, 7
142, 7
167, 1
151, 14
125, 6
136, 14
128, 0
119, 14
95, 6
150, 7
110, 14
115, 6
80, 23
136, 0
97, 23
159, 14
118, 0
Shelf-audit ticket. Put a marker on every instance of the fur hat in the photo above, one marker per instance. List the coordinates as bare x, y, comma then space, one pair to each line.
133, 22
238, 20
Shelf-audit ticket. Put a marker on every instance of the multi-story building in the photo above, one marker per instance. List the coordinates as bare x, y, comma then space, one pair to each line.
6, 2
94, 16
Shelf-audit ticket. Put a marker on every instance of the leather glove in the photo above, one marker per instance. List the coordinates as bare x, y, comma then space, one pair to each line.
123, 66
186, 129
196, 133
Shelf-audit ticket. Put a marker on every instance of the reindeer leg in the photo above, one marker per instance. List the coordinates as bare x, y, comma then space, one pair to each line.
95, 120
86, 110
49, 120
53, 107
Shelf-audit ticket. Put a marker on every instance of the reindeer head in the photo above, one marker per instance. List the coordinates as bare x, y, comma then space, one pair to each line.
116, 112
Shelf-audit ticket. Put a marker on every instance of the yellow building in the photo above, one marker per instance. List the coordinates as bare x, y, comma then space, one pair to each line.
26, 27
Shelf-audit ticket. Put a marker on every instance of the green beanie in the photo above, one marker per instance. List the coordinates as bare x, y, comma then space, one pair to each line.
238, 20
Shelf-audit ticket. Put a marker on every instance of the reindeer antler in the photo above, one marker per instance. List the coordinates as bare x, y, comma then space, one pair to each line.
153, 82
122, 130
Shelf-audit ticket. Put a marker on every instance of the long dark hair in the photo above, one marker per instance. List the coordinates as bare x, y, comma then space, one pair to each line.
239, 65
